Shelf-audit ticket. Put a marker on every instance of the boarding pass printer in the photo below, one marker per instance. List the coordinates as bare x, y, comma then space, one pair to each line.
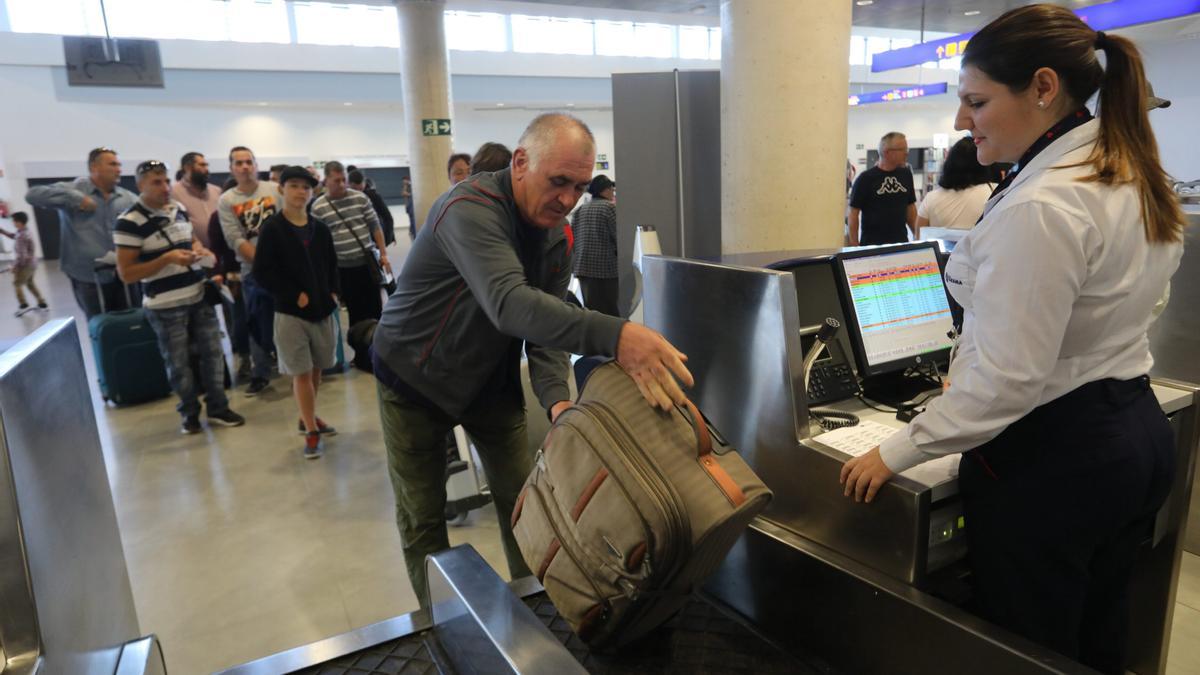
746, 323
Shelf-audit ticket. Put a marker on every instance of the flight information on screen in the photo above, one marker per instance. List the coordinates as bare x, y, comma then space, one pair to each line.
900, 302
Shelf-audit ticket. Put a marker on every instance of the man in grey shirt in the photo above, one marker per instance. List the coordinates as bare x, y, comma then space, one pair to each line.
486, 277
243, 210
88, 208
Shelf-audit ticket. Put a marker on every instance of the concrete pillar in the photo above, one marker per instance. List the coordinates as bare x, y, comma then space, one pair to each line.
784, 85
425, 84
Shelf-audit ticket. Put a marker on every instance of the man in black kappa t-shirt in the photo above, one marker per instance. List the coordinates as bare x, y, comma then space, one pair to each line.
883, 200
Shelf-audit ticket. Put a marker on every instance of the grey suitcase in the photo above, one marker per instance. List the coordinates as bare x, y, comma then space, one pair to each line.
628, 509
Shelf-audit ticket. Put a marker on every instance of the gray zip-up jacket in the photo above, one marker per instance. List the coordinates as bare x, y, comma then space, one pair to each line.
86, 235
477, 278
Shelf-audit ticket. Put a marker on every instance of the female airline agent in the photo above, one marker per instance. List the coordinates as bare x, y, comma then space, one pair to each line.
1067, 453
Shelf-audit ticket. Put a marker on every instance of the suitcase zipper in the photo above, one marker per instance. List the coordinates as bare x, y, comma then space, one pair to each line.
566, 546
648, 532
648, 470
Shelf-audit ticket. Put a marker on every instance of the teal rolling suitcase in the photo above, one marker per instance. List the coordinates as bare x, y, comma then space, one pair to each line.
128, 364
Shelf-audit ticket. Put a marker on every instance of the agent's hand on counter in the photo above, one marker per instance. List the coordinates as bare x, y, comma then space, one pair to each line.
864, 475
653, 363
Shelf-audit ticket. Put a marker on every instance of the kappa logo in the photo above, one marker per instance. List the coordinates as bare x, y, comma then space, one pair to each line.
890, 186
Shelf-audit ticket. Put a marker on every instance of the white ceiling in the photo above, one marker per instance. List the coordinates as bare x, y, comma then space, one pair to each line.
939, 15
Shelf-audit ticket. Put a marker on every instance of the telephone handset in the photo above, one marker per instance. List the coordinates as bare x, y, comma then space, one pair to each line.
830, 378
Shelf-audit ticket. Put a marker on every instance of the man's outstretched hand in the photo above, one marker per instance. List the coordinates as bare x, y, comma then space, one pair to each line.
654, 364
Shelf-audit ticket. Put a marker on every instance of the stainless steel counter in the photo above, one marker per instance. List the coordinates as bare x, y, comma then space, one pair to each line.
64, 590
742, 351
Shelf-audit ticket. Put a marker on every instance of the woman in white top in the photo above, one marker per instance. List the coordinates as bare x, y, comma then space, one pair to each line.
1067, 454
965, 187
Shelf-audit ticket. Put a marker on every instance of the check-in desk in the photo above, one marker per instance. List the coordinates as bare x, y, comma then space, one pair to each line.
66, 605
869, 588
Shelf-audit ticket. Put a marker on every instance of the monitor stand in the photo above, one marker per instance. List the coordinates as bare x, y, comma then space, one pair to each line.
895, 388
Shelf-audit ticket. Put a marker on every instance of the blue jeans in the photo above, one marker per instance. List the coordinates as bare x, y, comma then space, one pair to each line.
179, 329
260, 318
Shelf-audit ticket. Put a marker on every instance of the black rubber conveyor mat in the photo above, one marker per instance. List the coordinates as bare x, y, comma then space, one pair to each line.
700, 640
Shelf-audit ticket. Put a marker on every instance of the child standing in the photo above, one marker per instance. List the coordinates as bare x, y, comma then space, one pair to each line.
25, 265
295, 262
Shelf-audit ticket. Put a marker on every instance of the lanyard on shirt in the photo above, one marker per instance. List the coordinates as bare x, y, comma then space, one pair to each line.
1060, 128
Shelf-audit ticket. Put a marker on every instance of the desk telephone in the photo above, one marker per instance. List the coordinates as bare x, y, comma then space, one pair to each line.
830, 378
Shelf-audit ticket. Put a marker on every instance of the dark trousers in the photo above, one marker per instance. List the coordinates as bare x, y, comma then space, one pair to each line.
363, 301
235, 321
415, 438
87, 296
1057, 507
600, 295
260, 323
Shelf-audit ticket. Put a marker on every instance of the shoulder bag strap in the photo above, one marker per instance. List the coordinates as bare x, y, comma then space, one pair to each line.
370, 256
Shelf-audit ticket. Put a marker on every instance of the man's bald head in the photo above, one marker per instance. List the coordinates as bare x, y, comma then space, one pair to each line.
551, 168
555, 129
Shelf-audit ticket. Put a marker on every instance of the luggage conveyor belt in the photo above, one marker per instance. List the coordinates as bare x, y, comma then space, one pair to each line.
703, 638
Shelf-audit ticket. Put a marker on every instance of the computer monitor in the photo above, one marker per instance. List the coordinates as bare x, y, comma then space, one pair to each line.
896, 307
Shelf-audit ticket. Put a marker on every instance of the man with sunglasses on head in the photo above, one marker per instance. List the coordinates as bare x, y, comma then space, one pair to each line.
157, 246
88, 207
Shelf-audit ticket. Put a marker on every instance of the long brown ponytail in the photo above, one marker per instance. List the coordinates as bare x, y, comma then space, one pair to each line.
1127, 151
1014, 46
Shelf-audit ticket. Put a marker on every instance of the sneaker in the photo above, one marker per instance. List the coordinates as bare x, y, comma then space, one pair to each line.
43, 305
257, 385
191, 425
226, 419
23, 305
313, 445
322, 428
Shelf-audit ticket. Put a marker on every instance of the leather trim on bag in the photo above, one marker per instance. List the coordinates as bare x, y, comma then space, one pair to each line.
702, 436
590, 622
723, 480
551, 551
634, 560
588, 493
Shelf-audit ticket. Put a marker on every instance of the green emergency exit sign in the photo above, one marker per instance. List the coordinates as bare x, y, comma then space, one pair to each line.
435, 127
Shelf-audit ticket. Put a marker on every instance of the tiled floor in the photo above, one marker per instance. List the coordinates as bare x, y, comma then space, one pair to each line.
238, 548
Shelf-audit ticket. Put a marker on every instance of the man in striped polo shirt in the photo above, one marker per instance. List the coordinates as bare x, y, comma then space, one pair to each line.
352, 220
156, 246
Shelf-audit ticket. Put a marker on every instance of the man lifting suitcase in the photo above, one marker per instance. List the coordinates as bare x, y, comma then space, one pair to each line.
486, 276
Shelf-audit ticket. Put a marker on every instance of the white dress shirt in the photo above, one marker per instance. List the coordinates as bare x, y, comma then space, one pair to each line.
1057, 283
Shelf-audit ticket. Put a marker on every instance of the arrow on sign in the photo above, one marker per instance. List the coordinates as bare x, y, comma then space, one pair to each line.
444, 126
941, 52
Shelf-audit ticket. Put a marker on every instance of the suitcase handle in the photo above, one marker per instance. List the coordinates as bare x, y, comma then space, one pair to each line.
720, 477
703, 438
